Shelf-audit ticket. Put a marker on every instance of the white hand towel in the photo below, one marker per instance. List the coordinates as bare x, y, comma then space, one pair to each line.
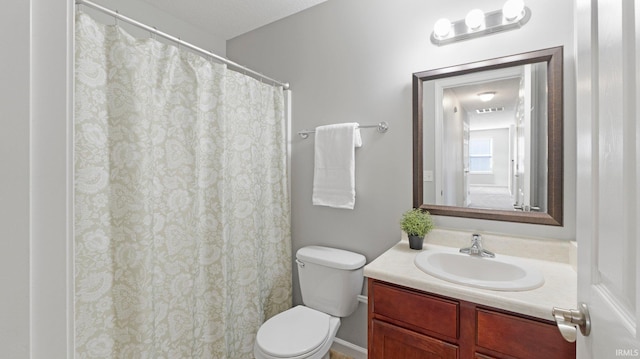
334, 165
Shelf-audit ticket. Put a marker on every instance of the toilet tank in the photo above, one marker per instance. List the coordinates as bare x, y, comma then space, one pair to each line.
330, 279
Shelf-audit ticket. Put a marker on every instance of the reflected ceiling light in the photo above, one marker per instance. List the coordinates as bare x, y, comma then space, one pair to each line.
513, 10
513, 15
442, 28
474, 19
486, 96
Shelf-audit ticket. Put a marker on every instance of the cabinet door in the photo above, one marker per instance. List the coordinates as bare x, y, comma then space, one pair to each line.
420, 312
520, 337
390, 341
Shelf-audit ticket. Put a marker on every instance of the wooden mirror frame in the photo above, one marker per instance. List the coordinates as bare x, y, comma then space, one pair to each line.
554, 215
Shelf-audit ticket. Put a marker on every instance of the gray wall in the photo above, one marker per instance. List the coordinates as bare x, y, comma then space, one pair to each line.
34, 146
452, 158
167, 23
352, 60
14, 181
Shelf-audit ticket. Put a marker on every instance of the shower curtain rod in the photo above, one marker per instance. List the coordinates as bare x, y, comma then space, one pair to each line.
153, 30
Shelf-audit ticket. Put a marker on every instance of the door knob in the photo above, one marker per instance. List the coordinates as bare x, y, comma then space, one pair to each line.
568, 320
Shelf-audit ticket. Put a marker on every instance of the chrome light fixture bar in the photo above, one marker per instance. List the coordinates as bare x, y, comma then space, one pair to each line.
474, 25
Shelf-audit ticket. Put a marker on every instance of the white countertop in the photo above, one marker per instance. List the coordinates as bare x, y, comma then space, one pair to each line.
559, 289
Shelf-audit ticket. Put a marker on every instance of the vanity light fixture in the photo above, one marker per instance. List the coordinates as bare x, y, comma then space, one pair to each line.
513, 10
474, 19
486, 96
442, 28
513, 15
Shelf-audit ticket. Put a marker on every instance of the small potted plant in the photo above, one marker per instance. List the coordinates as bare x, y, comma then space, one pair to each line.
416, 223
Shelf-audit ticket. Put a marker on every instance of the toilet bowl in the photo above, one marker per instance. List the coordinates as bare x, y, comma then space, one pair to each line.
297, 333
330, 281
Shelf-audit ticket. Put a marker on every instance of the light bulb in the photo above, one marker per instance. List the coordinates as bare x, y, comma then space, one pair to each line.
513, 10
474, 19
442, 28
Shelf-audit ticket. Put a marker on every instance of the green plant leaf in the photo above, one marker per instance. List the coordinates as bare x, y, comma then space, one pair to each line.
416, 222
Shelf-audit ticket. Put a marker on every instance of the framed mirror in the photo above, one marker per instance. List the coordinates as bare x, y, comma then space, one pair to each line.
487, 139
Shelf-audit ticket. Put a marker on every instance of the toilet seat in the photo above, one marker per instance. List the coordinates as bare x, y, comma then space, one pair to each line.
294, 333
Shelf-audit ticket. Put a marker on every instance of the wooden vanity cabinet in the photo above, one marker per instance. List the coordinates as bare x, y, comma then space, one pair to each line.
407, 323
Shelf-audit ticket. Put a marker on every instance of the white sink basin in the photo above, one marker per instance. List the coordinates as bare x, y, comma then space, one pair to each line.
502, 273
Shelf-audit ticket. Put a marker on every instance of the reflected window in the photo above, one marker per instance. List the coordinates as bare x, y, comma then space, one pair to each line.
481, 155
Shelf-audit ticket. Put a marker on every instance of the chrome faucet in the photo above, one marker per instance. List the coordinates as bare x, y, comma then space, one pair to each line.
476, 248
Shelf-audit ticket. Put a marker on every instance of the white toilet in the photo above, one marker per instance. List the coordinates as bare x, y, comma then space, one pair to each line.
330, 281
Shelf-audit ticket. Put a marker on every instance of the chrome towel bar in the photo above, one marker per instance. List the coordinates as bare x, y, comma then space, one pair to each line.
381, 127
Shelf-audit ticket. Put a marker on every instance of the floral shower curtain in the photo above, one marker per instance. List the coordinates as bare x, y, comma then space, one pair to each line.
182, 240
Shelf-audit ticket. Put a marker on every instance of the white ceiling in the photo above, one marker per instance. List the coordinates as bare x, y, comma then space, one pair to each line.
507, 96
227, 19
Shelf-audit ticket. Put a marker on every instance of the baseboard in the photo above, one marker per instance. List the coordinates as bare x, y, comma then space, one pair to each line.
349, 349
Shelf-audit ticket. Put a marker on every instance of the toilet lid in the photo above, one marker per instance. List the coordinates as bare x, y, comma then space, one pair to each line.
294, 332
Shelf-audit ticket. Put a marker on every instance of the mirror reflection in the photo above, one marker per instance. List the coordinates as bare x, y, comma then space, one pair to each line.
488, 139
485, 139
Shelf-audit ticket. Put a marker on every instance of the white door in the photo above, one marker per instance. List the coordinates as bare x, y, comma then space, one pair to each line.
523, 148
608, 171
525, 171
520, 162
466, 134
